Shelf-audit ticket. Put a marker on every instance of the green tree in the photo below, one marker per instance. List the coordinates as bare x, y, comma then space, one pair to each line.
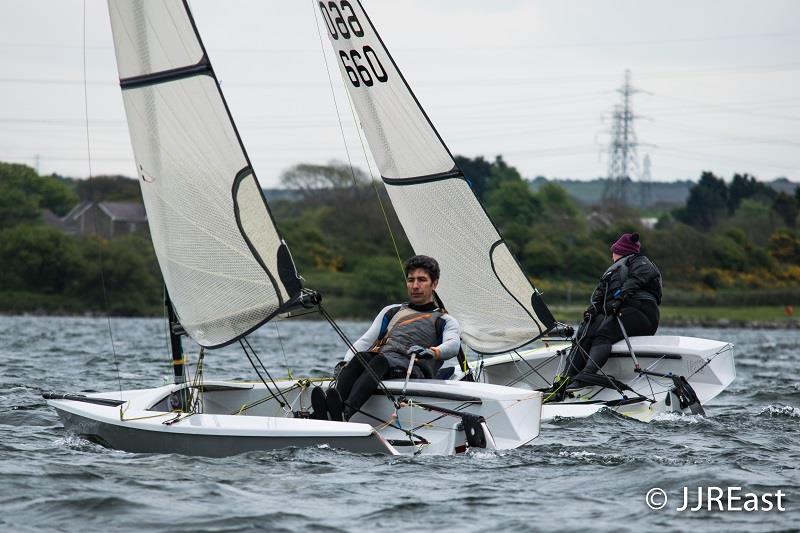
679, 250
23, 193
380, 282
586, 262
502, 172
39, 259
309, 179
787, 208
478, 172
109, 189
514, 208
707, 203
784, 246
540, 258
16, 207
754, 219
744, 186
128, 269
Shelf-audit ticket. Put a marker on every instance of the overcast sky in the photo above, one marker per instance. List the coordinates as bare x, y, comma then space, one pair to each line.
533, 80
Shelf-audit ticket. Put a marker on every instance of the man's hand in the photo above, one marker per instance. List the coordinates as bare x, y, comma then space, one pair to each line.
421, 353
616, 303
588, 314
338, 368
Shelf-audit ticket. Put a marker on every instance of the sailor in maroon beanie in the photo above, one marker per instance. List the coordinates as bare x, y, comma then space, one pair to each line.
631, 290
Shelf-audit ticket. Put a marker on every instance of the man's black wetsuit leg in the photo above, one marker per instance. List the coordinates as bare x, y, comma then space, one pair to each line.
576, 360
351, 372
364, 385
641, 319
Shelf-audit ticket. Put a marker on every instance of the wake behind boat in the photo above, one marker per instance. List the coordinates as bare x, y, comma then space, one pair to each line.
227, 271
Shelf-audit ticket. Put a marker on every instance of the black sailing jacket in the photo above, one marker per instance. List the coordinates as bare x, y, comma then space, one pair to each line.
631, 277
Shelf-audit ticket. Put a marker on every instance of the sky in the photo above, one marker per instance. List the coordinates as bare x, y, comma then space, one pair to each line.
718, 83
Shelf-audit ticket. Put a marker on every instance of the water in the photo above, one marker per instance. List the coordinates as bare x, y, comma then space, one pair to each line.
590, 472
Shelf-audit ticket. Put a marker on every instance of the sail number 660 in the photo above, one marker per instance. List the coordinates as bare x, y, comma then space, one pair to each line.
341, 20
357, 72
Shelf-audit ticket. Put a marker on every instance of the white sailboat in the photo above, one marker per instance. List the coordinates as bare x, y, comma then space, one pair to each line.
653, 387
227, 271
482, 284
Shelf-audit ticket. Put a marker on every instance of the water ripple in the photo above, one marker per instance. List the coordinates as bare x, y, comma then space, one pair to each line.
580, 472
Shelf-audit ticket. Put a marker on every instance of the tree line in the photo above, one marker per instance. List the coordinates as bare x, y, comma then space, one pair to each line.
732, 243
46, 270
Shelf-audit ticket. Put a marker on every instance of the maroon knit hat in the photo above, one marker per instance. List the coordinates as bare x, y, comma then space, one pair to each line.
627, 244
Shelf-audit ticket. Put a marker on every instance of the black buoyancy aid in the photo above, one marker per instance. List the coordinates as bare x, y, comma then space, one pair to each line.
408, 327
614, 278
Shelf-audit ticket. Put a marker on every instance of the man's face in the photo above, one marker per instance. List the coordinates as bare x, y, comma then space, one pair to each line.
615, 257
420, 286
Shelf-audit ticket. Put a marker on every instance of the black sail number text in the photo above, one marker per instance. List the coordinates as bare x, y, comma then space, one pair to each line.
363, 67
358, 72
341, 20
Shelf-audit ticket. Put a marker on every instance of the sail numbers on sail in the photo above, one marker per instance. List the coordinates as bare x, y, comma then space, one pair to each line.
338, 22
339, 26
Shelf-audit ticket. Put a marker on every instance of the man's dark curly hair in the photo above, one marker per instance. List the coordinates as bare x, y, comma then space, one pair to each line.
428, 264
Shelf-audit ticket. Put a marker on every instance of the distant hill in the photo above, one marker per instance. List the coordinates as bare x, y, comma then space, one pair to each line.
662, 194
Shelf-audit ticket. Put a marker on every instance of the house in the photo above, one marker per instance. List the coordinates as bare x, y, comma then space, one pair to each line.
107, 219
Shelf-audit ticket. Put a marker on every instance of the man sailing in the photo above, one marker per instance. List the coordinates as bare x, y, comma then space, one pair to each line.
416, 328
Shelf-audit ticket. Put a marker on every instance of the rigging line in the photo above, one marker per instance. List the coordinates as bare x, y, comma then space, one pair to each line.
708, 361
280, 341
94, 212
535, 369
333, 95
408, 432
196, 395
599, 369
361, 140
357, 355
373, 181
265, 399
166, 330
282, 404
266, 371
525, 374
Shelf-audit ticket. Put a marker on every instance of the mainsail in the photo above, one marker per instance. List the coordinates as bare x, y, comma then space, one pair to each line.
225, 266
482, 284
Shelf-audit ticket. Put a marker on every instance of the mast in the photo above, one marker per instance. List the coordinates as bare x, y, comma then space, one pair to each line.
176, 331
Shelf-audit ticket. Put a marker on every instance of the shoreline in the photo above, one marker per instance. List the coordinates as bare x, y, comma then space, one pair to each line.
727, 323
670, 320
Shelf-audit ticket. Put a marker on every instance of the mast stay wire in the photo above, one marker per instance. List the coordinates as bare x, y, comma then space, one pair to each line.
91, 199
361, 140
285, 404
359, 357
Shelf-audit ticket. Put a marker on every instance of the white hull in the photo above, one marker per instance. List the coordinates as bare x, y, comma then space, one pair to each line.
144, 423
707, 364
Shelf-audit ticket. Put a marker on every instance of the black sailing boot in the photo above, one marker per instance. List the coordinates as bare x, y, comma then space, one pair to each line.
334, 403
319, 404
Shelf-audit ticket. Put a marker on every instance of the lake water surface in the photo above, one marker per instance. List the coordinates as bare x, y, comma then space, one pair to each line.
589, 473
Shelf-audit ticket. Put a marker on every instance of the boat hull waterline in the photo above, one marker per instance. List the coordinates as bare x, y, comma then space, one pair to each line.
708, 366
143, 422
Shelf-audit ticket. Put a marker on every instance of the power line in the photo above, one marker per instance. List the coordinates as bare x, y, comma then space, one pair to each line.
622, 162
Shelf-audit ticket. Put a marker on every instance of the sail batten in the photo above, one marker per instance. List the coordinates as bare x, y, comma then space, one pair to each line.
481, 283
223, 260
204, 67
